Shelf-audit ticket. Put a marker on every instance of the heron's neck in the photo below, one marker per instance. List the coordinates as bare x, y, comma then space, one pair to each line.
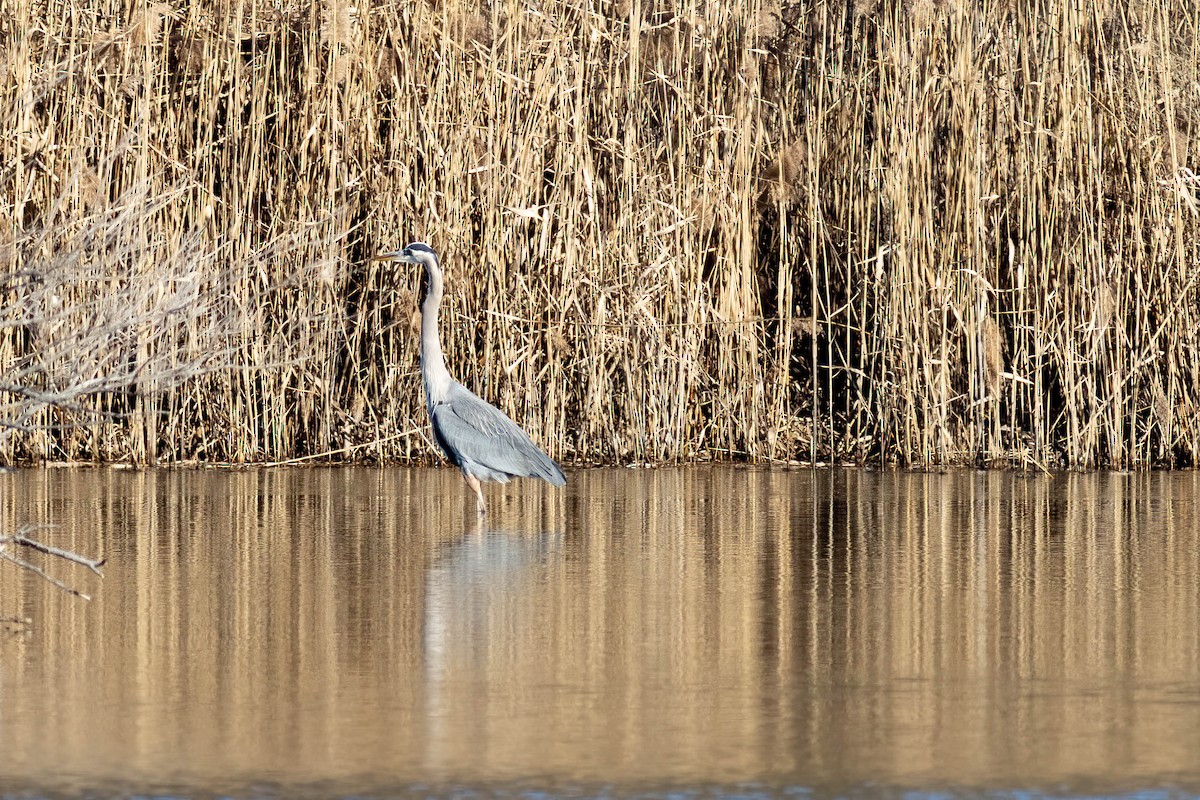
433, 364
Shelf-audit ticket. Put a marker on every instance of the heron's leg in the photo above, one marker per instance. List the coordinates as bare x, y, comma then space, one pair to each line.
473, 482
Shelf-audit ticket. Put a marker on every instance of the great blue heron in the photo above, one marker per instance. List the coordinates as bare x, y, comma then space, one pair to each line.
477, 437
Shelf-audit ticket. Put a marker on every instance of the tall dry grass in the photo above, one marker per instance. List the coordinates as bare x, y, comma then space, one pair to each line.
920, 232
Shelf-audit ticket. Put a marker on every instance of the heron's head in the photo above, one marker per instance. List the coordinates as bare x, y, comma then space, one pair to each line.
415, 253
420, 253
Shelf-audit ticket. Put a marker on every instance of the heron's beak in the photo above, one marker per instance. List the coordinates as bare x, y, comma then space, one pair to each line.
396, 255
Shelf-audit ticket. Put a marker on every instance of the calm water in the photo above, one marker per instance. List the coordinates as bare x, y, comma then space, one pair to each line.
693, 632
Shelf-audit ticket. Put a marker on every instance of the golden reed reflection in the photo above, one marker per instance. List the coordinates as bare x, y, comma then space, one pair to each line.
359, 627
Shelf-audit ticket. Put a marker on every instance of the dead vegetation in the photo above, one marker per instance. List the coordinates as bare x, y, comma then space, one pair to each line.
15, 546
921, 232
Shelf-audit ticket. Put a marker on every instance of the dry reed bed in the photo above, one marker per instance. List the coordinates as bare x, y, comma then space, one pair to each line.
921, 233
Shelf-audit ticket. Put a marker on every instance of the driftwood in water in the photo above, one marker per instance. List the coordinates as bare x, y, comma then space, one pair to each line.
11, 544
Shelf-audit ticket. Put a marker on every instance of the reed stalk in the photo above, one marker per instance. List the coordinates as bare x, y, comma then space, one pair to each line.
922, 232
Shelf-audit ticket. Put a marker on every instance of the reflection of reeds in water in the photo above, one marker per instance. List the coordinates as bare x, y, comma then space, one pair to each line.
916, 231
714, 625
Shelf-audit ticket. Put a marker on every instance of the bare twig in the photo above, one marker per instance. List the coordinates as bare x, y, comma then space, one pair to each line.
21, 538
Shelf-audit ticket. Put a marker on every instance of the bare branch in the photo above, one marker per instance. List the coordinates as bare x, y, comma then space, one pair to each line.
22, 539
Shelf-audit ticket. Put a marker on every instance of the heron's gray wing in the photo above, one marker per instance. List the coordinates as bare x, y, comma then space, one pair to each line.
479, 433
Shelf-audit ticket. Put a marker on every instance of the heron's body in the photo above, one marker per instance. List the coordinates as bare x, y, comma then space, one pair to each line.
476, 437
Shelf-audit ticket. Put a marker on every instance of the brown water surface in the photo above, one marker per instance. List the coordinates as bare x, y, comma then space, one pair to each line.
700, 631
